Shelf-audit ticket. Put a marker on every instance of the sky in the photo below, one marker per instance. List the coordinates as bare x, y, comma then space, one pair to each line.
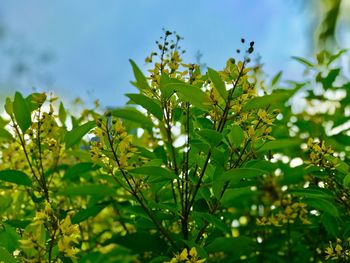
88, 43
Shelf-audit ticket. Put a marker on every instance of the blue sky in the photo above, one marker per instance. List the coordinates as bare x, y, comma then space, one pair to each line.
92, 41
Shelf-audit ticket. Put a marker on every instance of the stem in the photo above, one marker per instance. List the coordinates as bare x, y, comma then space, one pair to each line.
219, 129
185, 182
136, 196
289, 255
22, 142
41, 168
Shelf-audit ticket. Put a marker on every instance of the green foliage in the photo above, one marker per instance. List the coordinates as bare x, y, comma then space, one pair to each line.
206, 171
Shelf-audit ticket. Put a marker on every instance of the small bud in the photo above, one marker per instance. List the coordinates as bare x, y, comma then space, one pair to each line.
242, 40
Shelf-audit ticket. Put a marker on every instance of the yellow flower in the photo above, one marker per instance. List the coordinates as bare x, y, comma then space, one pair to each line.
329, 251
69, 235
183, 255
118, 127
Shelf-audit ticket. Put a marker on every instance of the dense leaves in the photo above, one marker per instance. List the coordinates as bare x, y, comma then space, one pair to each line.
200, 166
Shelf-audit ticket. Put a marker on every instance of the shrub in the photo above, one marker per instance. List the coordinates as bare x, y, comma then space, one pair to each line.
197, 167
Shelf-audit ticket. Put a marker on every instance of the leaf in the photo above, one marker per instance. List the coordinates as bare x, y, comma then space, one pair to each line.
5, 256
74, 136
90, 189
16, 177
5, 135
91, 211
3, 122
62, 114
211, 136
236, 135
327, 82
139, 242
242, 245
8, 238
330, 223
237, 175
218, 83
22, 112
279, 144
9, 106
77, 170
237, 195
147, 103
156, 173
346, 180
187, 93
276, 78
213, 220
264, 101
303, 61
141, 81
322, 205
134, 116
311, 193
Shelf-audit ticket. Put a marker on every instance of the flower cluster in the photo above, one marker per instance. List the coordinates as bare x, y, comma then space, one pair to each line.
190, 256
339, 250
69, 235
319, 153
287, 213
113, 144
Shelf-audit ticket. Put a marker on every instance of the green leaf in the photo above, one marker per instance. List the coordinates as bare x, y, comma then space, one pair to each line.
322, 205
139, 242
5, 256
9, 106
147, 103
303, 61
280, 144
276, 78
327, 82
97, 190
3, 122
9, 238
74, 136
215, 221
156, 173
233, 246
311, 193
134, 116
22, 112
237, 92
264, 101
237, 195
141, 81
346, 180
77, 170
236, 135
62, 114
5, 135
16, 177
237, 175
211, 136
218, 83
91, 211
187, 93
330, 223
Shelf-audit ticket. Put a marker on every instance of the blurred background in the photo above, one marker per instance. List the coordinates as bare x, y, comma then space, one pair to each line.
81, 48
